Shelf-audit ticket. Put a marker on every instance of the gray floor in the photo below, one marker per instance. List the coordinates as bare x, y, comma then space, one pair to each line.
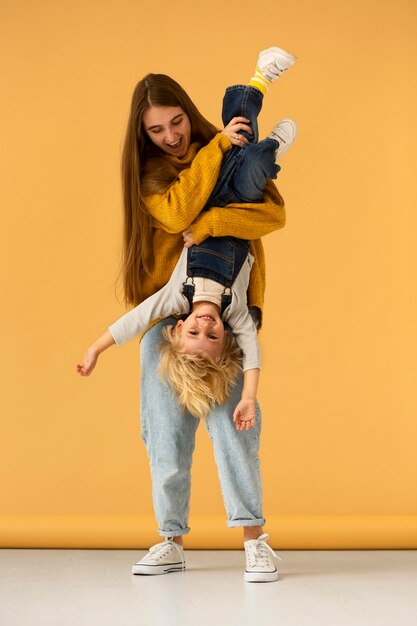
95, 587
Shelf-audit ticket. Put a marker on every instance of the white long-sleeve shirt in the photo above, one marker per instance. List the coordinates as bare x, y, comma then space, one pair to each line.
170, 301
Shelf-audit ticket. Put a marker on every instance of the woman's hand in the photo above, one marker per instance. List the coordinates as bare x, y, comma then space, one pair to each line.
232, 130
187, 235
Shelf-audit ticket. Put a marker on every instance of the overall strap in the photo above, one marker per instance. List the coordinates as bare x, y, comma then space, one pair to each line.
188, 289
226, 300
217, 258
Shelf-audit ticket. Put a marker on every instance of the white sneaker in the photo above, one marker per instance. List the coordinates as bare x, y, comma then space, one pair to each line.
285, 133
162, 558
260, 567
273, 61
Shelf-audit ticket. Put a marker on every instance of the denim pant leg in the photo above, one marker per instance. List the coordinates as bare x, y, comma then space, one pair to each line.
254, 164
169, 437
242, 101
236, 454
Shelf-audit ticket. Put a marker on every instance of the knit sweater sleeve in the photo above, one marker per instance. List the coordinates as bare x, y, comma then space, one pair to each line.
176, 209
247, 221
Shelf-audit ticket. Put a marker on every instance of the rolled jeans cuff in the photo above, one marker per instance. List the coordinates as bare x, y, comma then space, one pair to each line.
174, 533
246, 522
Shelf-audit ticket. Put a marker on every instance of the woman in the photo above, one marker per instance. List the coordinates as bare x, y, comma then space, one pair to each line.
171, 161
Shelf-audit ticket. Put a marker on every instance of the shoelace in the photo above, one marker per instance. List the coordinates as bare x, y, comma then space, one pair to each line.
168, 541
273, 71
261, 546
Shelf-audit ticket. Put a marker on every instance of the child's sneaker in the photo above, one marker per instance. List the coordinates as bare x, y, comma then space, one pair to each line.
260, 567
162, 558
273, 61
285, 133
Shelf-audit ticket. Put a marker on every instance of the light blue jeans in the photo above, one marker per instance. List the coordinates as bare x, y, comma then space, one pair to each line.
169, 437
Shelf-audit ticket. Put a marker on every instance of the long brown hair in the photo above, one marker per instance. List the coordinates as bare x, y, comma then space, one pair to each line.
146, 170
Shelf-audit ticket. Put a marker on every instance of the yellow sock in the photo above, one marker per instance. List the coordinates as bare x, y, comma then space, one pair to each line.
259, 81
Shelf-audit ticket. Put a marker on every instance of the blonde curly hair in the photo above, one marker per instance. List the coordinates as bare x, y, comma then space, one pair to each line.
199, 381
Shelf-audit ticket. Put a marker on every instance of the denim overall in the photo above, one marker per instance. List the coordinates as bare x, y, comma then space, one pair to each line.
218, 258
244, 170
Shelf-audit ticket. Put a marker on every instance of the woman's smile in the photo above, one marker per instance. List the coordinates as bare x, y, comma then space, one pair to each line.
176, 146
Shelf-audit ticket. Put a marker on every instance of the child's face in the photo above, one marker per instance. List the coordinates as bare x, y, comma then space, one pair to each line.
169, 128
202, 331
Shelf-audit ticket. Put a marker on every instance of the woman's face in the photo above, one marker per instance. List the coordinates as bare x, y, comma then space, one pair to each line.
169, 128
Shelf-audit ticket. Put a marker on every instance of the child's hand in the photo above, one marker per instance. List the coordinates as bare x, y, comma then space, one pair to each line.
187, 235
88, 364
244, 415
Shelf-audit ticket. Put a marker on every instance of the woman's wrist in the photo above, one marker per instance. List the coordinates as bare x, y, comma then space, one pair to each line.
225, 143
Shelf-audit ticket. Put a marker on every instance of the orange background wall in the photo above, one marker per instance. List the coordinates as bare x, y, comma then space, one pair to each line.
338, 387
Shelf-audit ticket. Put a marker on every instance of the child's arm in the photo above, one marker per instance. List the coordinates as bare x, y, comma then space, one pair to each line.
245, 332
244, 415
167, 301
90, 359
163, 303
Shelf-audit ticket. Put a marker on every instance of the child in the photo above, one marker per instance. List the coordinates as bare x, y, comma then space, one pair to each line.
199, 358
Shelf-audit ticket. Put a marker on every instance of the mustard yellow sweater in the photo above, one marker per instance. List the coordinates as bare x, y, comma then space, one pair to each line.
181, 205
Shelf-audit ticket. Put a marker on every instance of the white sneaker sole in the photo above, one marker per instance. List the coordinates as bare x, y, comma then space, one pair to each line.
260, 577
155, 570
